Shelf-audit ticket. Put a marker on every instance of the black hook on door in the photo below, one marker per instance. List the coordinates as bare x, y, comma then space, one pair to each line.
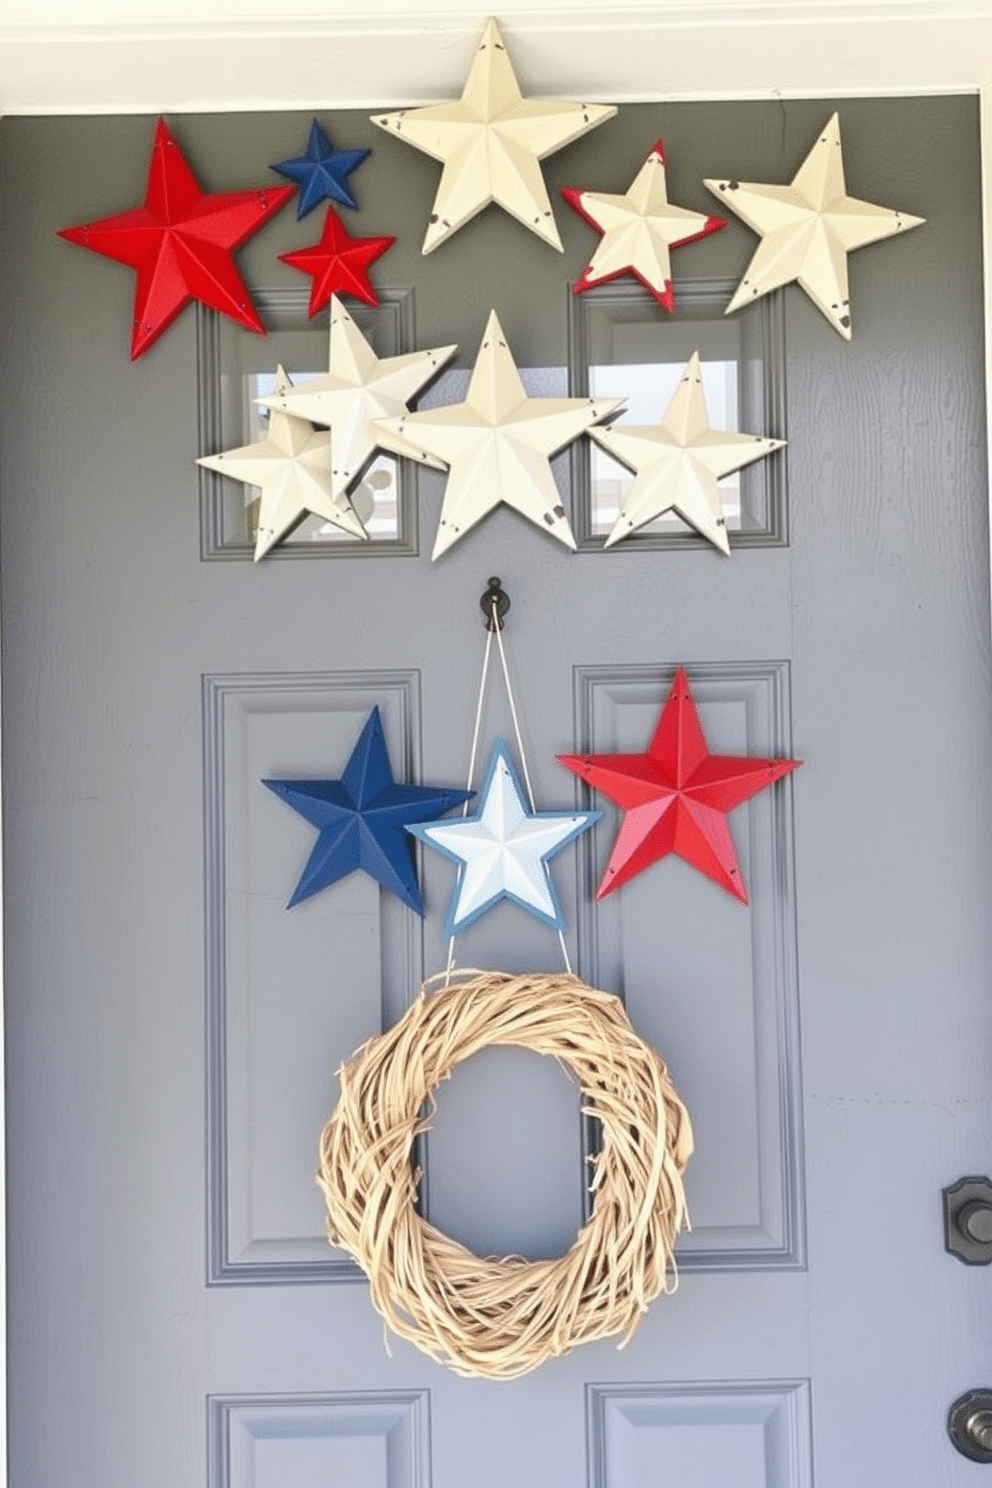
494, 605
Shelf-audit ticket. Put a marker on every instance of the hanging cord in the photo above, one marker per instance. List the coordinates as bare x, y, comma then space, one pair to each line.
495, 626
471, 761
523, 761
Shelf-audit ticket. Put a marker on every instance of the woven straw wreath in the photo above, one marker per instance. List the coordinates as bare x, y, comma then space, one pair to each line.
503, 1317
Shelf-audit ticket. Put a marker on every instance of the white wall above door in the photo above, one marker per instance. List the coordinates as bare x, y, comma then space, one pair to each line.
123, 56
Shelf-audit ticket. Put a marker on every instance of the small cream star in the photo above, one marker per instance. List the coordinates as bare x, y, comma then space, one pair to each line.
292, 465
807, 230
490, 142
638, 230
498, 444
359, 388
678, 463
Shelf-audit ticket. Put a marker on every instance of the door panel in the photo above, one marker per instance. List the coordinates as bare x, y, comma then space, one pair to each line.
745, 1184
755, 1435
269, 1015
176, 1315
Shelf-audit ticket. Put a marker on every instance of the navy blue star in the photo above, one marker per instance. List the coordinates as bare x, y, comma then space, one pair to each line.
322, 172
361, 820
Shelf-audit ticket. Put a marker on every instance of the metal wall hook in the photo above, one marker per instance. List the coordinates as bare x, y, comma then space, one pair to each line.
494, 604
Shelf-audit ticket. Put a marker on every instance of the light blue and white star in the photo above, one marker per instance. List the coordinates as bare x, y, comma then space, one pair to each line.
503, 850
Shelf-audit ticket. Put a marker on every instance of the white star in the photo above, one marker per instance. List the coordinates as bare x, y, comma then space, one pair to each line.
498, 444
807, 230
503, 850
359, 388
293, 468
679, 461
490, 141
638, 230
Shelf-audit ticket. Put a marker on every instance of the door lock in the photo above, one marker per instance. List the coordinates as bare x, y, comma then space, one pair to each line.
969, 1425
968, 1221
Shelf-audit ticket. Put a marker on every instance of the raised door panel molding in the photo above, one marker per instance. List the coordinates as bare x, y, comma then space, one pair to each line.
749, 1434
310, 1441
710, 982
324, 976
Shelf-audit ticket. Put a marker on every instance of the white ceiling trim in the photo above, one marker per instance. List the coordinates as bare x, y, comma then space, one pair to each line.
736, 49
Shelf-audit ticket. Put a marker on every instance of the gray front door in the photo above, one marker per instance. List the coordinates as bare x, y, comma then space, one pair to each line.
177, 1317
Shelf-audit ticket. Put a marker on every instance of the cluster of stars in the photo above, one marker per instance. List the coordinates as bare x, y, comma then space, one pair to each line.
675, 798
495, 446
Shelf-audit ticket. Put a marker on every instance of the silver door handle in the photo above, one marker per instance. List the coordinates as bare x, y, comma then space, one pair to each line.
969, 1425
968, 1220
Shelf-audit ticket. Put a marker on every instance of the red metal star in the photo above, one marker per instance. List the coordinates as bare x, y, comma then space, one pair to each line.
181, 241
676, 796
338, 263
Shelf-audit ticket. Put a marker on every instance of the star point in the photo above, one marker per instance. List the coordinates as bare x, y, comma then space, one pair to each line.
338, 263
504, 850
361, 820
498, 444
676, 796
358, 389
490, 142
181, 243
807, 230
638, 230
678, 463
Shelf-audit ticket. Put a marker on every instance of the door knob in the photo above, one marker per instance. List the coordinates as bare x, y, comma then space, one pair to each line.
968, 1221
969, 1425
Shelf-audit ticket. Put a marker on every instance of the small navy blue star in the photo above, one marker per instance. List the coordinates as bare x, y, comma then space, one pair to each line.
322, 172
361, 820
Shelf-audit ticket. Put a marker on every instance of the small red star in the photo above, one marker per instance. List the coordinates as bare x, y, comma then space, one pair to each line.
181, 241
338, 264
676, 796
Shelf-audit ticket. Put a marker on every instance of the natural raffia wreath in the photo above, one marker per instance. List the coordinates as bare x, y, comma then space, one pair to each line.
492, 1317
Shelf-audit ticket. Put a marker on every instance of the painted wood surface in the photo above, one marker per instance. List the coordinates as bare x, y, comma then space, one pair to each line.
173, 1032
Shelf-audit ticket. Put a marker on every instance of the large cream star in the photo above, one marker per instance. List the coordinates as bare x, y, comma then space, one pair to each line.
490, 141
292, 466
358, 389
807, 230
639, 228
678, 463
498, 444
